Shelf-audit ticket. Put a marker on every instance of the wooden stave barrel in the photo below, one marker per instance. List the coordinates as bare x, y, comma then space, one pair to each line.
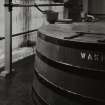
71, 98
60, 51
42, 71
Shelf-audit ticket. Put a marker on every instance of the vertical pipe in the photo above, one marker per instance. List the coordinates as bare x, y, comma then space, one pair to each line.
66, 11
8, 39
50, 7
85, 6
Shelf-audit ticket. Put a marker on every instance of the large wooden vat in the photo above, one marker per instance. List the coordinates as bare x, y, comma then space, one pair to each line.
96, 7
70, 65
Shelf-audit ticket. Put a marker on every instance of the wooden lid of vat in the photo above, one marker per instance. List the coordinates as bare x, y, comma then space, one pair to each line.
80, 32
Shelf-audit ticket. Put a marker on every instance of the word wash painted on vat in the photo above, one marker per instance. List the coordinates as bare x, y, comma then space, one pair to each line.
93, 56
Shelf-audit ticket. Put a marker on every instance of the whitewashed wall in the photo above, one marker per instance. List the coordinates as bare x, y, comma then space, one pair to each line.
36, 20
1, 25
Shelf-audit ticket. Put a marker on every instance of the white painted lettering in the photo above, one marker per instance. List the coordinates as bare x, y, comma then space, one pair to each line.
83, 55
90, 57
96, 57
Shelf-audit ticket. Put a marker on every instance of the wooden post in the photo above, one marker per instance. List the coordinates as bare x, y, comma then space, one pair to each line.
8, 39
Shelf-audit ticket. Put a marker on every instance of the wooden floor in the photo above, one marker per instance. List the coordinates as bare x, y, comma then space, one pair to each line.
16, 89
